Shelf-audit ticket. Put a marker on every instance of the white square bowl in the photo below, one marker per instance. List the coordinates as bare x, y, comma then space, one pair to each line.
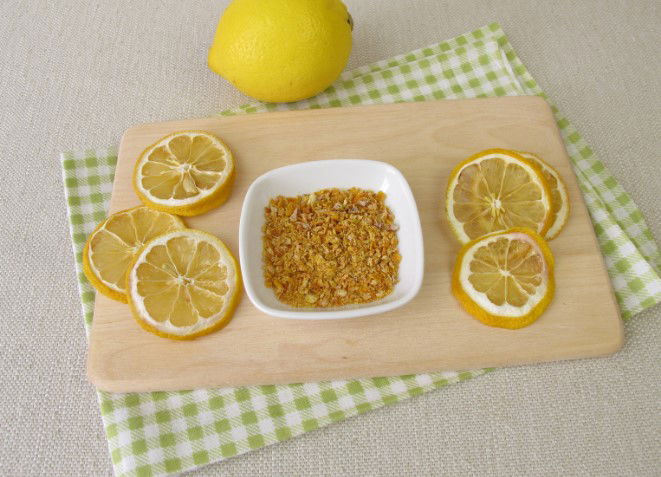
308, 177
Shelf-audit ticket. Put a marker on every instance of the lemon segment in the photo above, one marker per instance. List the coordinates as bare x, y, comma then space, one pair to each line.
183, 284
186, 173
112, 246
559, 195
497, 189
505, 279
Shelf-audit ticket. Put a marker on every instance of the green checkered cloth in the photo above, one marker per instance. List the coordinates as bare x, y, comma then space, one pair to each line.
163, 432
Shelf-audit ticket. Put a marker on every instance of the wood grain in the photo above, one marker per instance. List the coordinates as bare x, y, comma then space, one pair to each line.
431, 333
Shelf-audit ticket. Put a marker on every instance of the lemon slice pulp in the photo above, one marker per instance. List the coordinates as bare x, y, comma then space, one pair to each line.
184, 284
559, 195
186, 173
505, 279
495, 190
112, 246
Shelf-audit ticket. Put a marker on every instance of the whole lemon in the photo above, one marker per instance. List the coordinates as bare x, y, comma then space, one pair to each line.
282, 50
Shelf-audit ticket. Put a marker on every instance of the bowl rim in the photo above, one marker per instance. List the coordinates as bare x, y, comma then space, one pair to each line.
320, 314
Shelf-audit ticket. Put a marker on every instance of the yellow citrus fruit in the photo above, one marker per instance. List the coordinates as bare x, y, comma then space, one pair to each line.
505, 279
495, 190
559, 195
183, 284
186, 173
282, 50
111, 247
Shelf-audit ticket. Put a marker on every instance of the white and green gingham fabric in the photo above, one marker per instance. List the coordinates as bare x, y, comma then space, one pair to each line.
164, 432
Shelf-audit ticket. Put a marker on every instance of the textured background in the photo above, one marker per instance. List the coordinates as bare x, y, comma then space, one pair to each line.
76, 73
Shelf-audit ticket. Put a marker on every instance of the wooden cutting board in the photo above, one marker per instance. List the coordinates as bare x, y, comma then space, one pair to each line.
430, 333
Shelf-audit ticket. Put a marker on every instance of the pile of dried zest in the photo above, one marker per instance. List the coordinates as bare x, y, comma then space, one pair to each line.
330, 248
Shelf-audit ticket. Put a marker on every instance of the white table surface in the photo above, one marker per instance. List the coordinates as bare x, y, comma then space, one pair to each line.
78, 73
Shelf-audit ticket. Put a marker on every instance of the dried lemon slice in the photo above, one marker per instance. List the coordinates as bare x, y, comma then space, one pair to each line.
112, 246
559, 195
183, 284
185, 173
495, 190
505, 279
